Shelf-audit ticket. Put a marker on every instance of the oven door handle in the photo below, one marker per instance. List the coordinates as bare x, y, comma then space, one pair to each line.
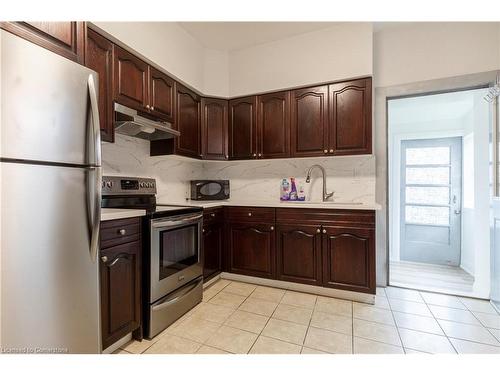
168, 302
175, 222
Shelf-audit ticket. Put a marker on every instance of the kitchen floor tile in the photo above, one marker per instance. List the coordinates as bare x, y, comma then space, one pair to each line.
267, 345
195, 329
120, 351
211, 312
409, 307
268, 294
286, 331
247, 321
412, 351
258, 306
404, 294
218, 285
328, 341
306, 350
442, 300
232, 340
227, 299
371, 313
488, 320
364, 346
334, 306
137, 347
418, 323
337, 323
455, 315
381, 291
469, 347
242, 289
468, 332
209, 293
293, 314
382, 302
209, 350
170, 344
425, 342
478, 305
376, 331
299, 299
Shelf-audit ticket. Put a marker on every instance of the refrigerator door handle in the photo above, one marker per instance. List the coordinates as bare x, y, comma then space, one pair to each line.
96, 128
94, 189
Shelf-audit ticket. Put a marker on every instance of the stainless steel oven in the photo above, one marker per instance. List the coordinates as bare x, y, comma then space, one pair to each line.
175, 253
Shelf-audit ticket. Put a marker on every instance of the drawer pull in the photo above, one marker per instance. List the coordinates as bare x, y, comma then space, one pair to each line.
272, 228
213, 215
203, 230
249, 214
331, 150
325, 151
104, 258
318, 230
122, 232
324, 230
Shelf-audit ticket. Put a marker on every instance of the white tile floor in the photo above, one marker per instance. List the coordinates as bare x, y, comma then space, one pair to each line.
243, 318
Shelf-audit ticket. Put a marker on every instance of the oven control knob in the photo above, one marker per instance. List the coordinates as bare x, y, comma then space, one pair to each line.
142, 184
109, 184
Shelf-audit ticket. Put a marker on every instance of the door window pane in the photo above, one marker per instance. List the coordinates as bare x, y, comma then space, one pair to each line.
428, 176
428, 155
427, 195
428, 215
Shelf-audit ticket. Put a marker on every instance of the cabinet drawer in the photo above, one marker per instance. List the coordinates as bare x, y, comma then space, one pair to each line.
213, 215
358, 218
251, 214
115, 232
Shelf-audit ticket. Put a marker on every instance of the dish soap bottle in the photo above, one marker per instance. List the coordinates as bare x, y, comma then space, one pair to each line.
302, 194
285, 190
293, 190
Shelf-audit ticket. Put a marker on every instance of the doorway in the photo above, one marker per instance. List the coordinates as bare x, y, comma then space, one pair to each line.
437, 143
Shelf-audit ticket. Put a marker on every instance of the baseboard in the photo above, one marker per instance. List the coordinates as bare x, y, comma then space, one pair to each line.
117, 345
211, 281
313, 289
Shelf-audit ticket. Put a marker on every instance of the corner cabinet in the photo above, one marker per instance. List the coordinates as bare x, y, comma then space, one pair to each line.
188, 122
120, 279
243, 128
214, 117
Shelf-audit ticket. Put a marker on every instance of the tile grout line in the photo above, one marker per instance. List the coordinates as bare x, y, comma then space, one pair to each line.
395, 323
480, 322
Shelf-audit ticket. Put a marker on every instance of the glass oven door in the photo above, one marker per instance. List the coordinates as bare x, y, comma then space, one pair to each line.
175, 253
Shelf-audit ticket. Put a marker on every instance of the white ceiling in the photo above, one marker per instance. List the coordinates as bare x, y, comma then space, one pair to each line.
237, 35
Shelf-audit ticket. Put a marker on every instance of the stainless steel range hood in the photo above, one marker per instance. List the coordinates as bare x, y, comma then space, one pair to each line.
129, 122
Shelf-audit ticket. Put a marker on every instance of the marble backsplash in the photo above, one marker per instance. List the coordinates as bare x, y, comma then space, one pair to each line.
351, 178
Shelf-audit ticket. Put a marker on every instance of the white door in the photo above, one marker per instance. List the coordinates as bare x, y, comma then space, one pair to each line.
431, 195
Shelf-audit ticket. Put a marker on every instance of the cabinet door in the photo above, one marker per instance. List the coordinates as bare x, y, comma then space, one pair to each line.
298, 250
162, 94
351, 117
120, 268
99, 57
251, 249
64, 38
130, 80
212, 249
242, 128
349, 259
214, 128
309, 121
188, 123
273, 125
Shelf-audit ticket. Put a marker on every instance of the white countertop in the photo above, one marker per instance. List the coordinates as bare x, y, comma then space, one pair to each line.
120, 213
279, 204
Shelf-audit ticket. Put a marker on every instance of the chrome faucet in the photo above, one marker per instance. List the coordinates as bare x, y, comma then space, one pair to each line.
326, 195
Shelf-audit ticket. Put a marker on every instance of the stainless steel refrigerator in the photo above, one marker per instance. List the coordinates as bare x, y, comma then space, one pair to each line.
50, 202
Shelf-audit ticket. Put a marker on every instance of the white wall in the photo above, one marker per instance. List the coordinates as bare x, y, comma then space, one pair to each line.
423, 51
335, 53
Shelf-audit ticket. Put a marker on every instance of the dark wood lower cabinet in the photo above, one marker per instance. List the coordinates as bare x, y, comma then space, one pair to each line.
213, 241
298, 250
349, 258
251, 249
120, 279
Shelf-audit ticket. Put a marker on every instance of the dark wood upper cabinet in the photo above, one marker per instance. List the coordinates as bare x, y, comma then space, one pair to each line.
273, 125
214, 117
188, 123
309, 122
298, 250
351, 117
242, 128
162, 95
130, 80
99, 57
349, 258
64, 38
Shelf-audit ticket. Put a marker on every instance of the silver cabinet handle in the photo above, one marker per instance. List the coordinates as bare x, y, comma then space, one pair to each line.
249, 214
227, 156
147, 106
104, 258
325, 151
152, 108
324, 230
254, 155
272, 228
318, 230
260, 155
122, 232
203, 230
331, 150
213, 215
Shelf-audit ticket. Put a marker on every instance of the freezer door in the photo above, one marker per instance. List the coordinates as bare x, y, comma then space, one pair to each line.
45, 105
50, 289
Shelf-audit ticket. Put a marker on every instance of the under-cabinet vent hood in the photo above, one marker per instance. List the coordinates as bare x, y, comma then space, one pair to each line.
129, 122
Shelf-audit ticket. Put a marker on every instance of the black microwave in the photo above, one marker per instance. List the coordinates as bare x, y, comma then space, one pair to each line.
209, 190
